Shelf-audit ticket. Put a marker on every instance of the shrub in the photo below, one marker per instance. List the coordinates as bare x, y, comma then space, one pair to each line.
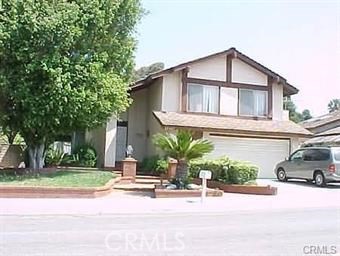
84, 156
54, 157
218, 167
241, 172
225, 170
154, 165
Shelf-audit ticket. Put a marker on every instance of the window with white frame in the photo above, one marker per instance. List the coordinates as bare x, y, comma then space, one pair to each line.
203, 98
253, 102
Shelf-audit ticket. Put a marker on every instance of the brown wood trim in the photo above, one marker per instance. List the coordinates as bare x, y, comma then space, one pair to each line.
226, 84
231, 116
229, 67
219, 101
264, 133
246, 86
184, 102
204, 81
270, 97
238, 101
247, 136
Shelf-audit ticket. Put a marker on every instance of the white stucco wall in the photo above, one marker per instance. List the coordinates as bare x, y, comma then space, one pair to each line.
110, 142
243, 73
229, 101
277, 102
295, 143
171, 92
212, 69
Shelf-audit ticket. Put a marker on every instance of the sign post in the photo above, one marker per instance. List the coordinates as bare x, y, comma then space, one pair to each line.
204, 175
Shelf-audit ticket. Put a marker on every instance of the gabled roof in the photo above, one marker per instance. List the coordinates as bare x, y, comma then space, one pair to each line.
231, 124
334, 131
321, 120
288, 88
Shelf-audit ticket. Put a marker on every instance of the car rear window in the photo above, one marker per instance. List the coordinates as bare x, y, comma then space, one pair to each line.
337, 155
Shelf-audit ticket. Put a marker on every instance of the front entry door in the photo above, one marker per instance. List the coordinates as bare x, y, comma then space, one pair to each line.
121, 141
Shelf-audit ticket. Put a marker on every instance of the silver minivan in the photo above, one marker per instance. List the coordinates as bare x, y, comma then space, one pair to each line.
318, 164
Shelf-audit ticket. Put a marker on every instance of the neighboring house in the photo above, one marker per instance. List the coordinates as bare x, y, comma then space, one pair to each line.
225, 97
326, 130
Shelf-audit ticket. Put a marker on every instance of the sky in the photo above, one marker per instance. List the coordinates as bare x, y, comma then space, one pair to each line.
300, 40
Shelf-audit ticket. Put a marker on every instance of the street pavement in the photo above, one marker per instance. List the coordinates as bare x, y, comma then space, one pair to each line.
291, 195
301, 220
287, 232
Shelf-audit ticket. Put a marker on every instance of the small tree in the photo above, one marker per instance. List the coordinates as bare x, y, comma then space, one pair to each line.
334, 105
306, 114
183, 148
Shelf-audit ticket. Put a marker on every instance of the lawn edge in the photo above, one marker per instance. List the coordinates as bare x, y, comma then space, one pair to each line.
9, 191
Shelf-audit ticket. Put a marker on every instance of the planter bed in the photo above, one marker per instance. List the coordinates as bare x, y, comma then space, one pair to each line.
242, 189
9, 191
161, 192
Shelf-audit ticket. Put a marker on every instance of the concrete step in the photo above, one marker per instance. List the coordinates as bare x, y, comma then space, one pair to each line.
134, 187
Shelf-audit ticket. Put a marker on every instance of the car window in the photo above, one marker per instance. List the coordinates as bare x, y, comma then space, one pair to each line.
316, 155
297, 155
337, 155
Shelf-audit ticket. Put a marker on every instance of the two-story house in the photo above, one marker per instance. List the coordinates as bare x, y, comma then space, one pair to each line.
225, 97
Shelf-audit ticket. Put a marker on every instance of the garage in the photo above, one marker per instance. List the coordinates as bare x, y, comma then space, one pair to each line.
263, 152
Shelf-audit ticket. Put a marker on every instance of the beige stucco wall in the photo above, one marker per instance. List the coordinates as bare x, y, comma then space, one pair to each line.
213, 69
277, 102
137, 123
155, 104
243, 73
11, 155
171, 92
229, 101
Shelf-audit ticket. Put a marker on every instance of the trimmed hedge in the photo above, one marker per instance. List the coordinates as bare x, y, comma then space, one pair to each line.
155, 165
225, 170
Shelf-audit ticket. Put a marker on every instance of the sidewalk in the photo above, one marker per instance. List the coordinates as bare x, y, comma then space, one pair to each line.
290, 196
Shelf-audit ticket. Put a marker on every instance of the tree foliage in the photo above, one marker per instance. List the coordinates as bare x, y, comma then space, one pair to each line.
334, 105
143, 72
65, 65
294, 115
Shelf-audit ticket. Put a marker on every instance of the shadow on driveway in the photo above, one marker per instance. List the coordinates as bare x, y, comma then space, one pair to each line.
307, 184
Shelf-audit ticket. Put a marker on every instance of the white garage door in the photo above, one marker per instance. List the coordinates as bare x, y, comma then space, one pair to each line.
265, 153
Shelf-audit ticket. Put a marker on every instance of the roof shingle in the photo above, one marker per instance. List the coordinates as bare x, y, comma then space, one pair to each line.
230, 124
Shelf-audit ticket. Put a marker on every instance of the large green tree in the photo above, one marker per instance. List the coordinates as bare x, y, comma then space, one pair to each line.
143, 72
334, 105
65, 66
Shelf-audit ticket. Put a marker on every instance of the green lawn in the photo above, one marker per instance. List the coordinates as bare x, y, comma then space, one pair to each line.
69, 178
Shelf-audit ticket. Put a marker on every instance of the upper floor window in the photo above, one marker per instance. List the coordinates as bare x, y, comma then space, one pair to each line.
253, 102
203, 98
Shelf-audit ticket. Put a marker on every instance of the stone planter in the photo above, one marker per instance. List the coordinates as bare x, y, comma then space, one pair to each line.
161, 192
241, 189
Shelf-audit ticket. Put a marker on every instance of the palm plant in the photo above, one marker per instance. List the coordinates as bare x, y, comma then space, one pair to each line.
183, 148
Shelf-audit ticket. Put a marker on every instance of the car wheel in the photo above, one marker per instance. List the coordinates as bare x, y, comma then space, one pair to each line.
281, 175
319, 179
